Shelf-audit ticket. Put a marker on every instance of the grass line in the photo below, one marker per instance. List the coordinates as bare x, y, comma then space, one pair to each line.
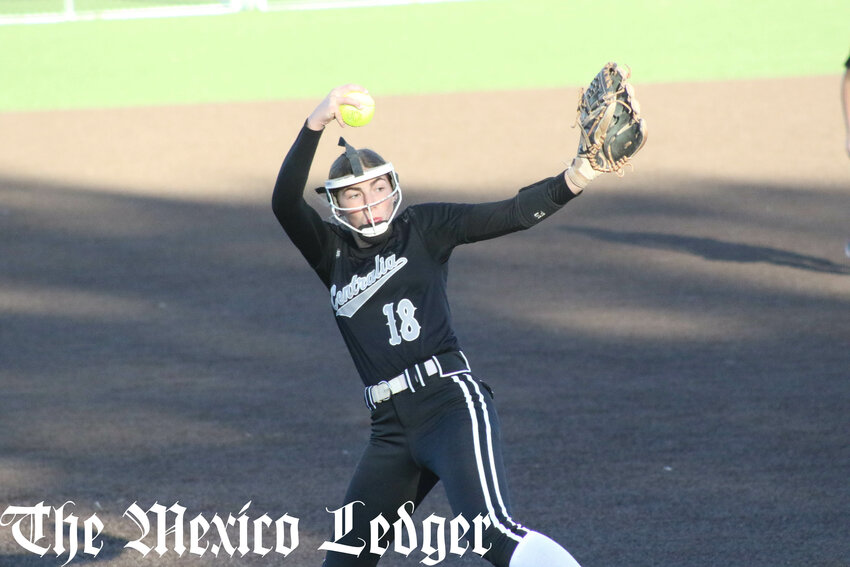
419, 48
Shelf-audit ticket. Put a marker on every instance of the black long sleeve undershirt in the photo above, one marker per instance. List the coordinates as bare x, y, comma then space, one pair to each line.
301, 222
452, 224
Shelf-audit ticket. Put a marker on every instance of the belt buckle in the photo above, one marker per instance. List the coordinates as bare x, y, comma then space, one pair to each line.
381, 392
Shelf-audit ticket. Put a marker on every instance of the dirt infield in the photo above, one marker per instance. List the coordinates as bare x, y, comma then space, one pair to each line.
670, 353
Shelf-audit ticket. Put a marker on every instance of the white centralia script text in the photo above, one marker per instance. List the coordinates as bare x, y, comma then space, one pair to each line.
351, 297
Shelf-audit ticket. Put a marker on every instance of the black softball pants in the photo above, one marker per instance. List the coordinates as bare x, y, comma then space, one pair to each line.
446, 431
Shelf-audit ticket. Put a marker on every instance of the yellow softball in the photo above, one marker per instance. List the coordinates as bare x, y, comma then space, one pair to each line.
354, 116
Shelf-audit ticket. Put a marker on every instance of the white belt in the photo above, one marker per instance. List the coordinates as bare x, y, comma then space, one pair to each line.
382, 391
416, 374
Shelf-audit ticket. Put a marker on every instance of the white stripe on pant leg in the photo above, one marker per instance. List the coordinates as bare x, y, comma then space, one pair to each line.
480, 464
490, 451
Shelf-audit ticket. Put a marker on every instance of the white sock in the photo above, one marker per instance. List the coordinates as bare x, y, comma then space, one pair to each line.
537, 550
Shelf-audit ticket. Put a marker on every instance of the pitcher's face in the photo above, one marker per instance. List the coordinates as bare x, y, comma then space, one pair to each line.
368, 203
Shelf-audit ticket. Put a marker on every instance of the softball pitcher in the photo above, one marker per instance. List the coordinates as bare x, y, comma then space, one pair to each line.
433, 419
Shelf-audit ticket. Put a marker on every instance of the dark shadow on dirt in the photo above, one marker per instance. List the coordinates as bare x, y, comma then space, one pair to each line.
156, 350
714, 249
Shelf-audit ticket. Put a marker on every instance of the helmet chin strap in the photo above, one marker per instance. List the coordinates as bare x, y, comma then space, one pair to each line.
375, 238
374, 229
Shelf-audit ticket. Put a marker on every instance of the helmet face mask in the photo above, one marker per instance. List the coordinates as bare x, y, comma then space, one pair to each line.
340, 213
354, 167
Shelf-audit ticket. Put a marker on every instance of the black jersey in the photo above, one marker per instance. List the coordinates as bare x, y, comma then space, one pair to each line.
390, 299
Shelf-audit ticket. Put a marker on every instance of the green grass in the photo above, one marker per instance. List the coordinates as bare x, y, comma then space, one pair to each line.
12, 7
468, 46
